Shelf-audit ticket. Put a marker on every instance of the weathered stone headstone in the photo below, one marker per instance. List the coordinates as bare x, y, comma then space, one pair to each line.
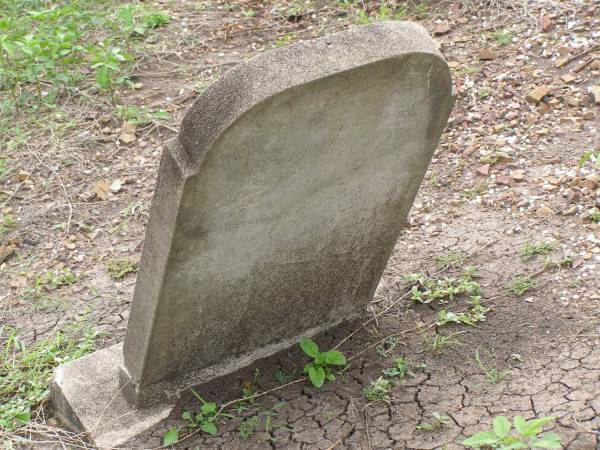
275, 212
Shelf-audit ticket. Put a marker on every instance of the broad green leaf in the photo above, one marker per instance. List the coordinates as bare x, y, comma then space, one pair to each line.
481, 439
23, 417
171, 437
584, 158
317, 376
209, 427
535, 426
548, 440
330, 376
501, 426
187, 415
209, 408
335, 358
162, 115
520, 424
309, 347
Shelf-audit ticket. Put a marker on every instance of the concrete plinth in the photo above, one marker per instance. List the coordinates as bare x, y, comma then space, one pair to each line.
87, 399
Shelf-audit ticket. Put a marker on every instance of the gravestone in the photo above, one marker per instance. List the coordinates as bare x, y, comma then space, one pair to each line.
275, 212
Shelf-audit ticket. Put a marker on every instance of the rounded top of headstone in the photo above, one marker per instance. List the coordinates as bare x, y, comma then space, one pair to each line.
253, 81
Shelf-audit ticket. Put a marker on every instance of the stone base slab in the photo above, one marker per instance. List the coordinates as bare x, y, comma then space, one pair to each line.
87, 399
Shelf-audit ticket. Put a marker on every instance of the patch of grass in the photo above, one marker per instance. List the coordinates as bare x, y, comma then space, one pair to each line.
285, 40
476, 313
140, 116
439, 342
49, 281
450, 259
426, 290
485, 93
47, 47
519, 285
3, 167
503, 37
529, 250
284, 377
379, 390
492, 374
118, 268
439, 421
8, 223
527, 435
26, 370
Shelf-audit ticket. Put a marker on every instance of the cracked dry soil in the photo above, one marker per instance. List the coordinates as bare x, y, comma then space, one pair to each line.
546, 342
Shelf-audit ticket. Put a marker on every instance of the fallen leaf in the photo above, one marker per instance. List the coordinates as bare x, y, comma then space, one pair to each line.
100, 190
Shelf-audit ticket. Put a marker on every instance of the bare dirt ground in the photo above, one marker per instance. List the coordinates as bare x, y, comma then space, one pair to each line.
505, 174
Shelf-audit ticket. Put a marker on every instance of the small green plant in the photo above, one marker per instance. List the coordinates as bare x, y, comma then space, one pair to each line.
476, 313
503, 37
157, 19
439, 421
3, 168
379, 390
321, 368
248, 427
530, 250
594, 215
26, 370
107, 65
140, 116
249, 13
484, 93
284, 378
118, 268
526, 437
8, 223
426, 290
440, 342
492, 374
589, 156
450, 259
205, 419
50, 281
285, 40
400, 370
519, 285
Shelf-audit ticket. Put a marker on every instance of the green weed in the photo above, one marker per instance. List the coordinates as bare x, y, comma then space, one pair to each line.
439, 342
589, 156
450, 259
8, 223
118, 268
140, 116
426, 290
439, 421
519, 285
492, 374
26, 370
594, 215
321, 368
527, 435
530, 250
205, 419
503, 37
379, 390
